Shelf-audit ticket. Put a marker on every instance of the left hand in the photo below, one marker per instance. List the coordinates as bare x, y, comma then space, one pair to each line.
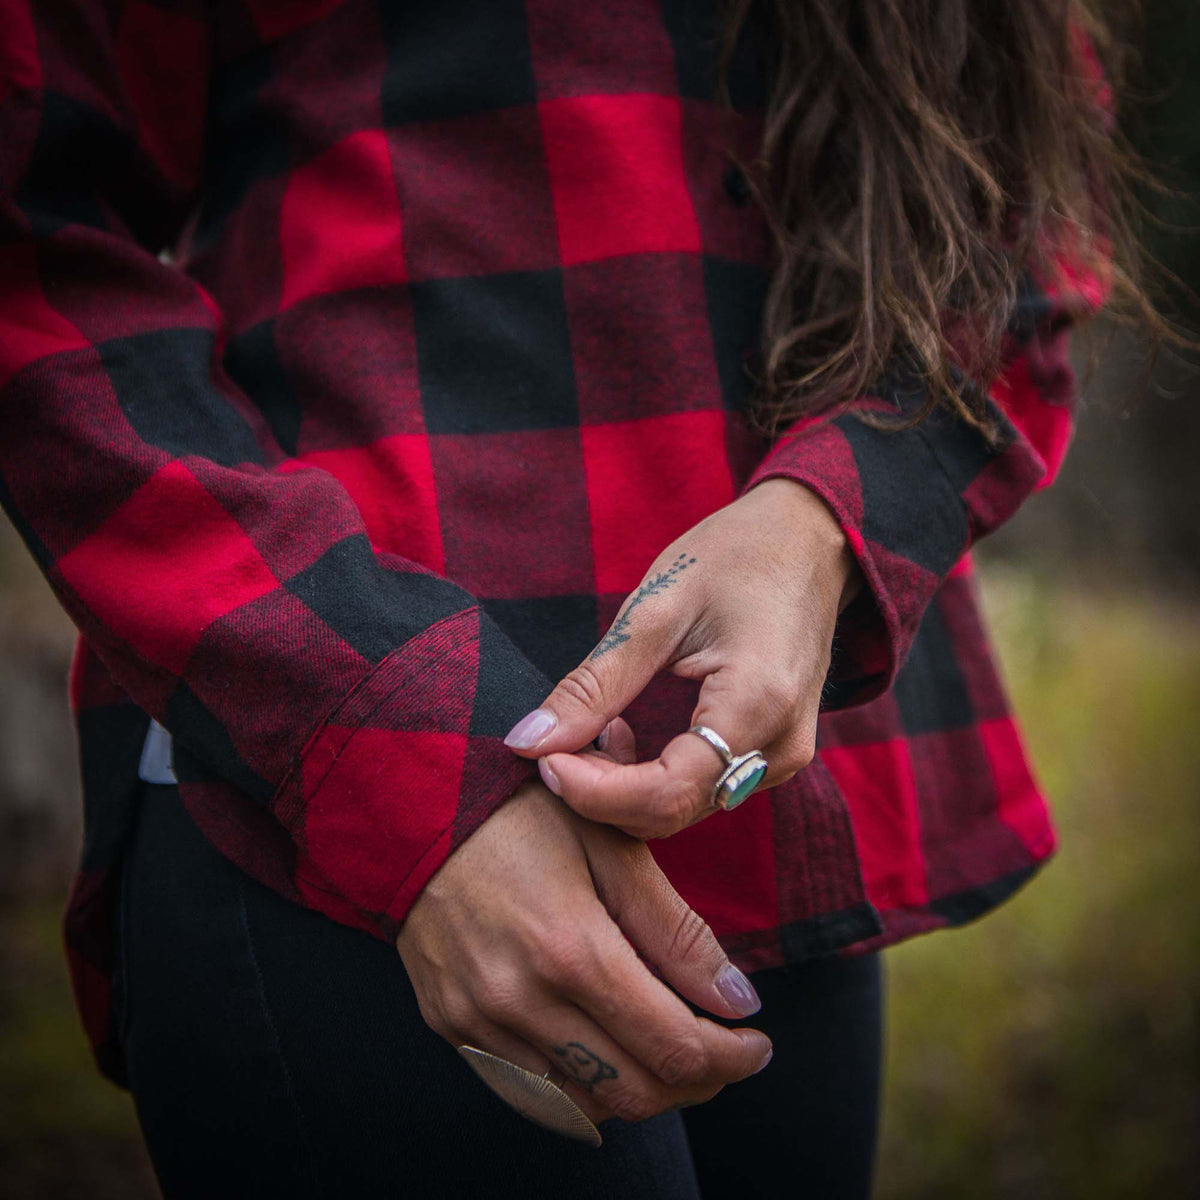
746, 601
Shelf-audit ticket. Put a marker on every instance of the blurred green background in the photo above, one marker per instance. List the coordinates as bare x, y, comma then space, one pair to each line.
1045, 1053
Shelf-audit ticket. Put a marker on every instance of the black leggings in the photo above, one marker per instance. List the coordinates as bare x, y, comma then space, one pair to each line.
274, 1053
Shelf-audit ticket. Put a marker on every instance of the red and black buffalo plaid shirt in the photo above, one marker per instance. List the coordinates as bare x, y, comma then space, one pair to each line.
454, 342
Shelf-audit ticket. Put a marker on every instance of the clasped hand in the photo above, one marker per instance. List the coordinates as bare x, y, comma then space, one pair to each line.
550, 937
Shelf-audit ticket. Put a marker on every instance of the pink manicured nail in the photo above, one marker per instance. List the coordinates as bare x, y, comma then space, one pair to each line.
548, 777
532, 728
737, 991
761, 1065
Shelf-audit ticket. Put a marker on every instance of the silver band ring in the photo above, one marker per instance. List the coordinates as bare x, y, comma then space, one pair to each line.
743, 772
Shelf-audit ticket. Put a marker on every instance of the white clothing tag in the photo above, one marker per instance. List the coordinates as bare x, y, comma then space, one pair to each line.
155, 766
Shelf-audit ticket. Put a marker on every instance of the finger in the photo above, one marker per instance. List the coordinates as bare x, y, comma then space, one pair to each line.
771, 714
617, 741
495, 1039
551, 1036
527, 1096
615, 745
639, 643
667, 932
756, 706
602, 974
791, 752
603, 1073
644, 800
665, 795
484, 1021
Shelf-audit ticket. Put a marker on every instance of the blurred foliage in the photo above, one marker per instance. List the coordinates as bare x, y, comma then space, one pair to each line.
1052, 1049
64, 1130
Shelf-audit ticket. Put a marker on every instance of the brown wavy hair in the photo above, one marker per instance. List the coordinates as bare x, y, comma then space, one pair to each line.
916, 157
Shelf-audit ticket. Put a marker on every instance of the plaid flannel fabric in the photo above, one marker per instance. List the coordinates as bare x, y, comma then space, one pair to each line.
453, 345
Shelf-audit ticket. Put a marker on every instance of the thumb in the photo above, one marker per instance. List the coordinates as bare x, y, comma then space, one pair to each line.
665, 931
595, 692
617, 740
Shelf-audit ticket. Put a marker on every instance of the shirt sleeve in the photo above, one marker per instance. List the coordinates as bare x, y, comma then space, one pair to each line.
232, 591
913, 501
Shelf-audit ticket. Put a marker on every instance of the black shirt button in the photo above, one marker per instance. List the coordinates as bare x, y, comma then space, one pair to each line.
736, 186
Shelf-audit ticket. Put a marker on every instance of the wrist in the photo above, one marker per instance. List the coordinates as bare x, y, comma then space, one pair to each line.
802, 508
854, 584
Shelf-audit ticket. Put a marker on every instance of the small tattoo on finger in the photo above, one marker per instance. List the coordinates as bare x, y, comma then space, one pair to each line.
584, 1067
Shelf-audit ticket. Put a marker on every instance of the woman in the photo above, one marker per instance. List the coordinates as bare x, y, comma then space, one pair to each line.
452, 392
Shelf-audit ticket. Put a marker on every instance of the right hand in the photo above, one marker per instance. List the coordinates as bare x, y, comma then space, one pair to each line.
526, 942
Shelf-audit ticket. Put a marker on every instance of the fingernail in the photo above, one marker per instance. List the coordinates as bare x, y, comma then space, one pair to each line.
770, 1055
532, 728
602, 740
737, 991
548, 777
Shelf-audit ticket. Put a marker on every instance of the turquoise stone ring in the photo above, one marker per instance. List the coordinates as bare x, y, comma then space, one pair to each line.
741, 777
742, 774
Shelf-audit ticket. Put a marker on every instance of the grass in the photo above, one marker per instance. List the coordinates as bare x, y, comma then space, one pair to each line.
1048, 1051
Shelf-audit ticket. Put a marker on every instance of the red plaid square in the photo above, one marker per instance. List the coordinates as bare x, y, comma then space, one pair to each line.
69, 486
679, 460
352, 367
666, 362
391, 483
616, 167
881, 793
129, 574
339, 223
341, 813
265, 737
23, 68
506, 490
248, 252
168, 90
731, 226
32, 329
328, 74
729, 881
959, 807
1022, 805
486, 208
619, 47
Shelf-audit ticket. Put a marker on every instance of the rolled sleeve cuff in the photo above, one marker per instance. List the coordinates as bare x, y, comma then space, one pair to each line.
407, 767
901, 497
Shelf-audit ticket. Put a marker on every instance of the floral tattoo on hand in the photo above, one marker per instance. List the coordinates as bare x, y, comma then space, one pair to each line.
619, 632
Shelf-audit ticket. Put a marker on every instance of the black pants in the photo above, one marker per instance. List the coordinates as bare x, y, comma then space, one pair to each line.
273, 1053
